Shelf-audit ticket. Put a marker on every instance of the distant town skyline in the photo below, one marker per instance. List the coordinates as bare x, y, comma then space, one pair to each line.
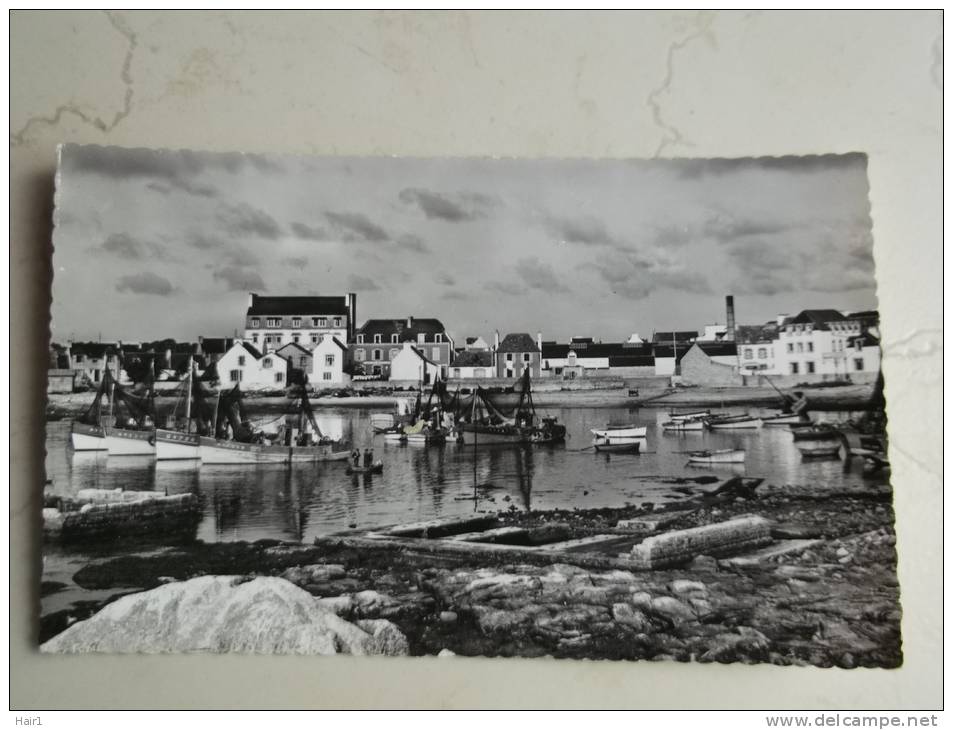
152, 244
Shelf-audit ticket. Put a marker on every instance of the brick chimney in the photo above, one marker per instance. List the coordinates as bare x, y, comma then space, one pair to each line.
730, 318
410, 322
539, 341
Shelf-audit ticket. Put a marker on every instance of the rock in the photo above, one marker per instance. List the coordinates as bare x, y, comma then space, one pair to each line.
671, 608
625, 614
340, 605
491, 620
797, 573
444, 653
842, 551
223, 614
305, 574
448, 617
704, 563
388, 640
844, 560
683, 587
163, 579
641, 599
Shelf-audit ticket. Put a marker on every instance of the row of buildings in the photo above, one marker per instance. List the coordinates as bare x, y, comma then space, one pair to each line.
288, 339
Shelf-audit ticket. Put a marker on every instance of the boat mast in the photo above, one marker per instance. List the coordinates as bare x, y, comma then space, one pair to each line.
188, 400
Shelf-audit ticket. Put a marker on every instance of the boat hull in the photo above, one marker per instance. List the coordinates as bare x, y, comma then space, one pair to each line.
621, 446
217, 451
171, 445
718, 457
683, 426
781, 420
124, 442
732, 425
689, 415
376, 468
636, 432
814, 449
88, 438
487, 436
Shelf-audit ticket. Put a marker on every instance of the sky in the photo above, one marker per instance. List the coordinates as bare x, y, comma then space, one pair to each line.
156, 243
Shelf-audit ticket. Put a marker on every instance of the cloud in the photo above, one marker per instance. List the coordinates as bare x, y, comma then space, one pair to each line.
634, 274
445, 279
455, 294
124, 246
696, 169
506, 288
310, 233
453, 208
205, 242
297, 262
169, 165
244, 221
357, 227
361, 283
410, 242
145, 283
539, 275
724, 227
238, 278
586, 231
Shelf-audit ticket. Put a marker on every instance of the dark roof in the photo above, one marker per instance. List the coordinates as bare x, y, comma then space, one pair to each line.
870, 314
666, 351
473, 358
866, 338
817, 317
471, 340
217, 345
91, 349
293, 345
681, 336
388, 327
597, 349
751, 333
630, 361
718, 349
264, 306
580, 340
252, 350
517, 342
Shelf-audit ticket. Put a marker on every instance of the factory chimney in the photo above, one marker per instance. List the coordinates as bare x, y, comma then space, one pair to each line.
730, 318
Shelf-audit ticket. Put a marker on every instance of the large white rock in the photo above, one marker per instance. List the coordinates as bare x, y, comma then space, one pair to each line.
224, 614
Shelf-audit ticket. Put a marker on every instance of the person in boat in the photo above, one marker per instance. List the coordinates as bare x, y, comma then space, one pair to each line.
356, 458
799, 407
787, 405
368, 457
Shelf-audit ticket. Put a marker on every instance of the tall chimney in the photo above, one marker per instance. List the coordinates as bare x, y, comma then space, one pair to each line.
351, 316
539, 341
730, 318
496, 341
251, 299
410, 322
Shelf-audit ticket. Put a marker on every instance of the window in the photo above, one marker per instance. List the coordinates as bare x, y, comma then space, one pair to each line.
858, 345
858, 363
241, 362
790, 347
376, 370
277, 339
360, 339
267, 339
436, 354
326, 376
359, 355
456, 373
798, 329
337, 321
810, 366
314, 339
509, 357
296, 338
274, 321
254, 338
438, 337
762, 353
793, 368
235, 376
394, 339
748, 353
279, 377
79, 358
377, 339
296, 322
314, 321
266, 363
329, 360
393, 352
808, 328
255, 322
810, 347
527, 357
322, 322
303, 362
421, 338
378, 355
800, 347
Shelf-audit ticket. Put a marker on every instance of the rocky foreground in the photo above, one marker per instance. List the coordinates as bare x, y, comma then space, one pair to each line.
834, 604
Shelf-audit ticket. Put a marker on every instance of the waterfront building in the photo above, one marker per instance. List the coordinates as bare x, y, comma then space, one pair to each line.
473, 364
710, 363
299, 360
272, 322
211, 349
816, 342
328, 361
581, 357
517, 353
476, 343
245, 366
89, 360
379, 341
411, 365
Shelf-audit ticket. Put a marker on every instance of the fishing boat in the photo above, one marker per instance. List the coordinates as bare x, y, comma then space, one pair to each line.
181, 441
88, 433
718, 423
299, 439
815, 449
619, 431
486, 424
688, 415
617, 445
684, 425
720, 456
402, 415
376, 468
782, 419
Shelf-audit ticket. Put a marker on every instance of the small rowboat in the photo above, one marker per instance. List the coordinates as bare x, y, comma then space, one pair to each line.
818, 432
722, 456
620, 430
617, 445
380, 422
376, 468
781, 419
688, 415
687, 425
733, 422
816, 449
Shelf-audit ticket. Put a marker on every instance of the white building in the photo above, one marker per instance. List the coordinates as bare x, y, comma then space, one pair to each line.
757, 357
410, 364
272, 322
327, 363
816, 341
472, 364
245, 366
864, 354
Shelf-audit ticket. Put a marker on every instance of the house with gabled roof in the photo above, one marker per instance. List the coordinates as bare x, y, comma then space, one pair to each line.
516, 353
378, 341
246, 366
472, 364
299, 361
411, 365
710, 363
274, 321
328, 364
583, 357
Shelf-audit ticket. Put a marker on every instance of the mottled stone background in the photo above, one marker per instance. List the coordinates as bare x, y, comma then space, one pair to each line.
694, 84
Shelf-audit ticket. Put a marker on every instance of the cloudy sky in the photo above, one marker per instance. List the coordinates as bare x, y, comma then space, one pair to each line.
153, 244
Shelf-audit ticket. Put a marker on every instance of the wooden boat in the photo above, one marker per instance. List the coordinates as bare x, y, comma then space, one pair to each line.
617, 445
134, 428
620, 430
381, 422
689, 415
486, 425
684, 425
376, 468
88, 433
781, 419
815, 449
816, 432
87, 437
720, 456
299, 440
733, 422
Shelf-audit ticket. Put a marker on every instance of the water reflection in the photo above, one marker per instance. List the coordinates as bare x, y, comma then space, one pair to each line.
242, 502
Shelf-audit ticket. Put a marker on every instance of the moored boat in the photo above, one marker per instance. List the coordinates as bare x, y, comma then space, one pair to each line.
816, 449
684, 425
87, 433
617, 445
376, 468
620, 430
688, 415
733, 422
782, 419
719, 456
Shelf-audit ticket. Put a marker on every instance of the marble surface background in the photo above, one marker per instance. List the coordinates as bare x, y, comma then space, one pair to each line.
529, 84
